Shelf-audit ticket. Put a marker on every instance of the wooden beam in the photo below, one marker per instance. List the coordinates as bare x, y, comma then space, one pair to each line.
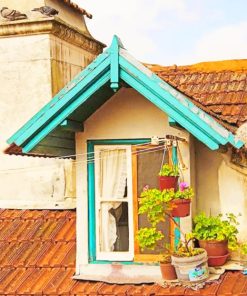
72, 126
174, 123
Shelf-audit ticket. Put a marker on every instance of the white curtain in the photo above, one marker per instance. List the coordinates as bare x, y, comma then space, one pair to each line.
112, 183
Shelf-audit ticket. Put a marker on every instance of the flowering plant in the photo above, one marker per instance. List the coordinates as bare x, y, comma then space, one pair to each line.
184, 192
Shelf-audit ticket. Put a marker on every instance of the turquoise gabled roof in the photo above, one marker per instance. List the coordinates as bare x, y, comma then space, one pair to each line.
44, 133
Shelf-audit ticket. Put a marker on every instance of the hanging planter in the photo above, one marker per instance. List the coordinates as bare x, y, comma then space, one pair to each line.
180, 207
181, 201
168, 177
168, 182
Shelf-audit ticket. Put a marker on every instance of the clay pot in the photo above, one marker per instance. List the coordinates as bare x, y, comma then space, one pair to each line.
168, 271
181, 207
217, 260
168, 182
214, 247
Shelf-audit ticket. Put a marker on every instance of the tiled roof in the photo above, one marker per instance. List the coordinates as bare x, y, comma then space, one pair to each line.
78, 8
219, 88
37, 257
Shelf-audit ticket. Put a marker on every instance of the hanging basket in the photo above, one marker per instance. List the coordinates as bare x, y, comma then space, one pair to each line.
181, 207
168, 182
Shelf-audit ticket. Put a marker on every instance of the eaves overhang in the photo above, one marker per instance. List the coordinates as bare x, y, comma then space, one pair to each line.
97, 83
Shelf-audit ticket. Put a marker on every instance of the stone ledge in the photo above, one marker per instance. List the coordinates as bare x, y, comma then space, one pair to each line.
54, 26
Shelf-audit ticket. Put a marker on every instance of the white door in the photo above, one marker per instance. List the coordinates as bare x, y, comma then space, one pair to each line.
113, 203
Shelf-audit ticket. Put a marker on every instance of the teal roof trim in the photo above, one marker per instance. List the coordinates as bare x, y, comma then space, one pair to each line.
110, 67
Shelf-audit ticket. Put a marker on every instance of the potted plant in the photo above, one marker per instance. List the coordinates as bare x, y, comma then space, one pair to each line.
168, 177
156, 205
190, 263
181, 200
216, 235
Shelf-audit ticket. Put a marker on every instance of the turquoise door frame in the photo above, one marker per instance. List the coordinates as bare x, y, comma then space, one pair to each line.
91, 190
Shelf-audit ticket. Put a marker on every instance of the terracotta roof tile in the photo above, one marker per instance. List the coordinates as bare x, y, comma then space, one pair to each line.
40, 260
233, 284
77, 8
210, 84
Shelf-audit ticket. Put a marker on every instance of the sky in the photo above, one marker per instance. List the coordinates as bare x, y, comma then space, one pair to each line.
169, 32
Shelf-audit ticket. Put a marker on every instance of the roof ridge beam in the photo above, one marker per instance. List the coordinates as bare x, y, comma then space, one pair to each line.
114, 52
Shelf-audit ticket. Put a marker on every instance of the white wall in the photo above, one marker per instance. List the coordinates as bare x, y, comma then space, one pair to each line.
25, 87
221, 186
127, 115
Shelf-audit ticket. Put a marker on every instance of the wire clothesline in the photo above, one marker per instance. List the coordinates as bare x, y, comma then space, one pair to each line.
90, 159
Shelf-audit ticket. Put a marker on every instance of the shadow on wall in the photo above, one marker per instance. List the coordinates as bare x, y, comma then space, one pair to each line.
233, 195
207, 164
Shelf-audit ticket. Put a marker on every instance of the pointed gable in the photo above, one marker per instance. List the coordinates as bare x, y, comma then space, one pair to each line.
51, 131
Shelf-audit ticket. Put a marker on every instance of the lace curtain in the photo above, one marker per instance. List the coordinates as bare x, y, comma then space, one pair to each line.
112, 183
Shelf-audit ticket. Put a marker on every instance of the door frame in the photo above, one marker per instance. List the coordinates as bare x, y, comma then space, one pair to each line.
91, 189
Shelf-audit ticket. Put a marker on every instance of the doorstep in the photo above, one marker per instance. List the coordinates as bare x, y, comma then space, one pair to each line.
120, 273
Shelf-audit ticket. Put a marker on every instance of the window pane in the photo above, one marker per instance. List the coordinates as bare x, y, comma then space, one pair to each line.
114, 233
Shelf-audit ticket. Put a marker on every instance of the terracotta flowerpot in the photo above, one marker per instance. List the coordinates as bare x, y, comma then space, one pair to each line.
217, 260
181, 207
168, 271
168, 182
193, 269
214, 247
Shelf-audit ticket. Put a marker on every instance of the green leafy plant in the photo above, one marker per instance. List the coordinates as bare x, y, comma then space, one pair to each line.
169, 170
243, 248
156, 205
217, 228
149, 237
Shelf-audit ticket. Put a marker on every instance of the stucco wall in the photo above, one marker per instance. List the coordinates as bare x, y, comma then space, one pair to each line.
25, 87
127, 115
34, 68
221, 186
67, 61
